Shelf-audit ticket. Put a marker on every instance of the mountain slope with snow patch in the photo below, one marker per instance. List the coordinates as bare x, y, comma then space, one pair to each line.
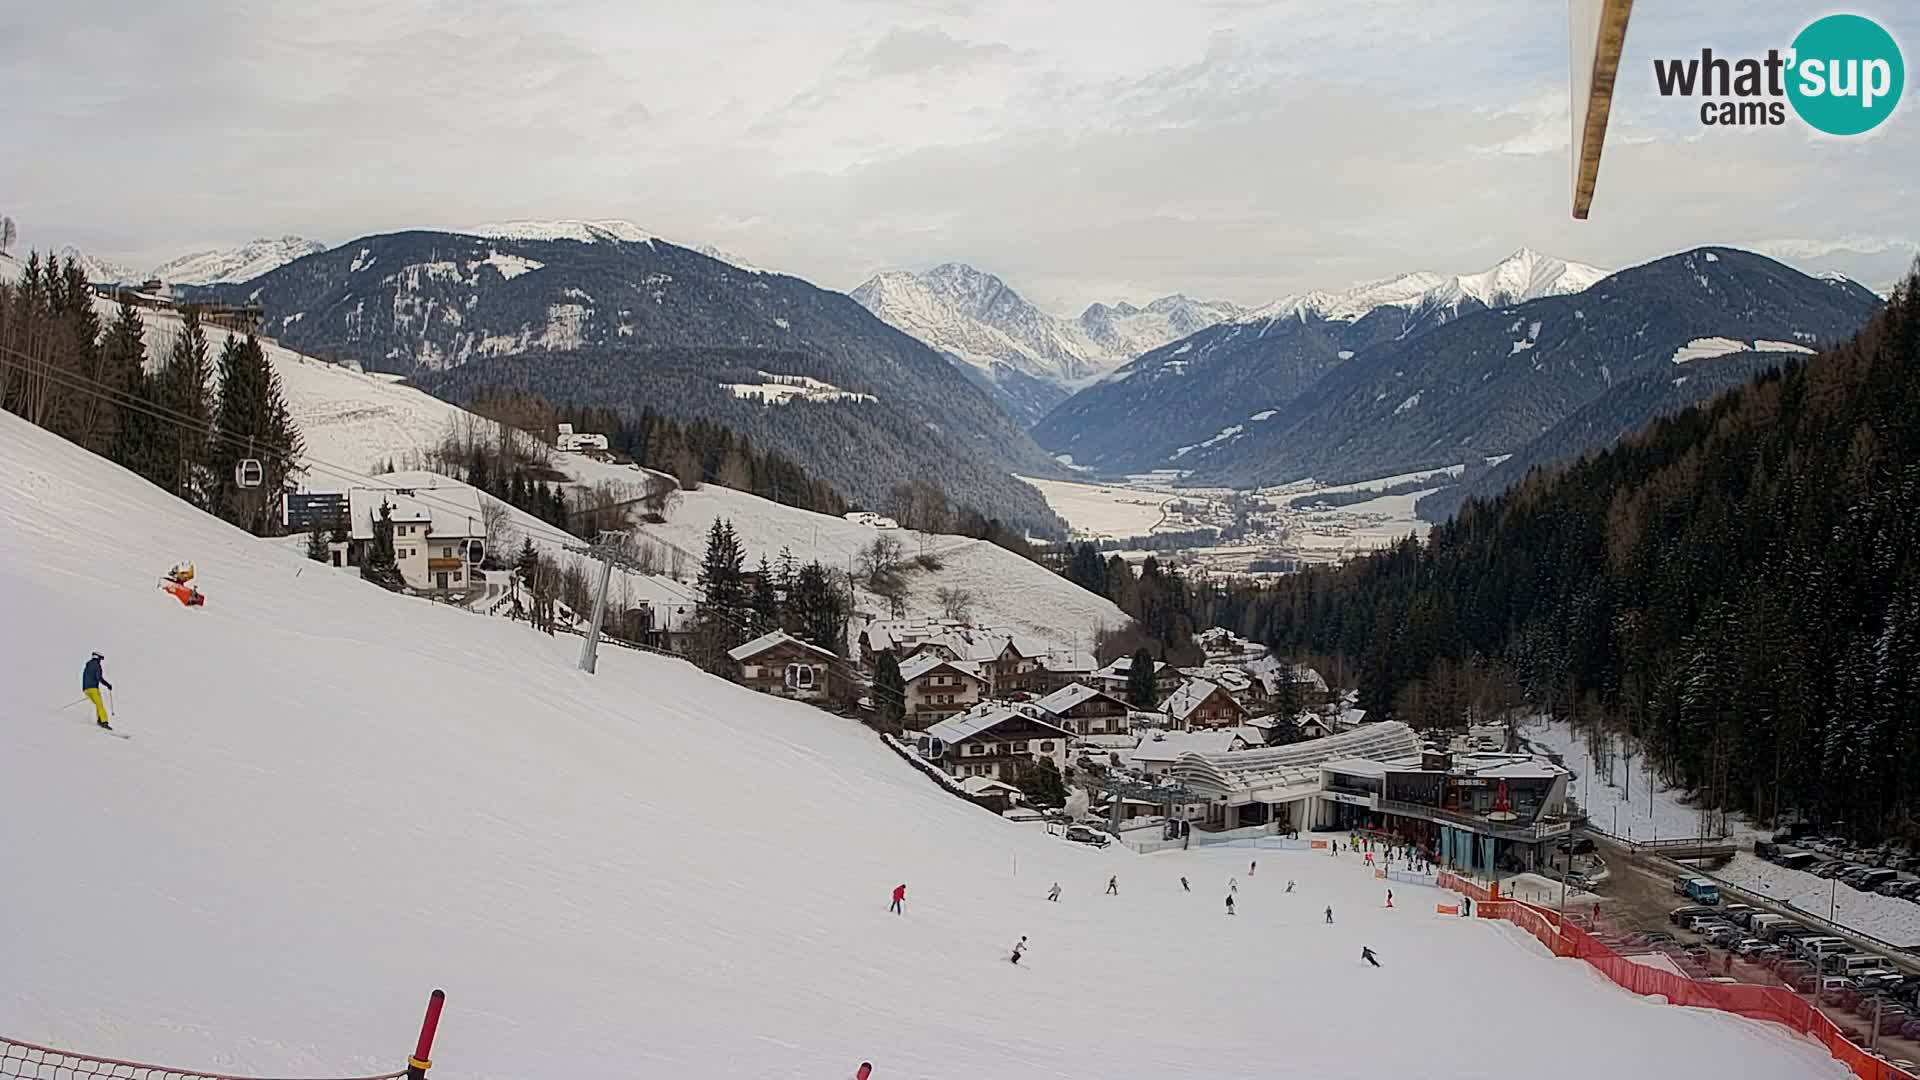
243, 263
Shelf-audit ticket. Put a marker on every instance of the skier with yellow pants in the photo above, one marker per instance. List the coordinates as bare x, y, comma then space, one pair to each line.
91, 680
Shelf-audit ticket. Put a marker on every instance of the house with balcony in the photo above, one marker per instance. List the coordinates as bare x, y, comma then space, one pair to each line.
436, 524
1199, 704
994, 740
938, 687
1113, 678
780, 664
1084, 710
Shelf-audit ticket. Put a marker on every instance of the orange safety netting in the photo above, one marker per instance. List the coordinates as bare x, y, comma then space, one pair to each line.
1776, 1004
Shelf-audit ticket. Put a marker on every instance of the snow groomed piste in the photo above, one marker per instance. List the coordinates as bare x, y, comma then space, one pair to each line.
336, 797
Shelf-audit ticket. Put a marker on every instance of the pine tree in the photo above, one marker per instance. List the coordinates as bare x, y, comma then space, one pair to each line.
820, 608
317, 543
1041, 782
137, 434
889, 693
721, 582
182, 389
763, 602
1142, 691
379, 565
250, 424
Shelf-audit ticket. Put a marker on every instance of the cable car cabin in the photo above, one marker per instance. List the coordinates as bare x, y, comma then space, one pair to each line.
476, 551
248, 473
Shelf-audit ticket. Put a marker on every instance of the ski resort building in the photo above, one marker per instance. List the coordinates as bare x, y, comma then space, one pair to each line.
993, 740
578, 442
1477, 811
780, 664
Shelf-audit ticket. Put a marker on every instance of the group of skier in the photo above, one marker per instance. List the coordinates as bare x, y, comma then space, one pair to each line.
1113, 889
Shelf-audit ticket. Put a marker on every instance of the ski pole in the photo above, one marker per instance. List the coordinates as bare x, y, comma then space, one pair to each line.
74, 702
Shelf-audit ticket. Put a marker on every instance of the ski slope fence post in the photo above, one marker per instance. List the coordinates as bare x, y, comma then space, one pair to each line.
422, 1058
1775, 1004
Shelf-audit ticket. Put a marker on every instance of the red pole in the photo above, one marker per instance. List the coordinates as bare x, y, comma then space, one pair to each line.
421, 1061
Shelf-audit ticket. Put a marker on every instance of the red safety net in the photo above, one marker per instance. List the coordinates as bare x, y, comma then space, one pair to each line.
1772, 1003
32, 1062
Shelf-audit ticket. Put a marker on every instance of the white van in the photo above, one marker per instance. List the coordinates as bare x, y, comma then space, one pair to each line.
1856, 965
1807, 948
1760, 924
1818, 949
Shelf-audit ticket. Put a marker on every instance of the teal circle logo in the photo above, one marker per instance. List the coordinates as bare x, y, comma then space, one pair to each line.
1846, 75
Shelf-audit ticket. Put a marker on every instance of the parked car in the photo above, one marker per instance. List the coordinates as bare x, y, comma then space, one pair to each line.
1798, 860
1910, 1030
1829, 869
1678, 916
1081, 834
1749, 946
1768, 957
1876, 877
1831, 989
1893, 1020
1740, 915
1725, 936
1866, 1004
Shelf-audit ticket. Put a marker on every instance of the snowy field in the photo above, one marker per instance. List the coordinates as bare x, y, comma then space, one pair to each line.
1894, 921
336, 798
1624, 808
1103, 510
1009, 592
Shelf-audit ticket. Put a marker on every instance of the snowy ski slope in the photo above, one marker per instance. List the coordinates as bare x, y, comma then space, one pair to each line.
337, 798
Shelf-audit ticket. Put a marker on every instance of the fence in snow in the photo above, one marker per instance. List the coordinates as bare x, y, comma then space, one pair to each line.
1772, 1003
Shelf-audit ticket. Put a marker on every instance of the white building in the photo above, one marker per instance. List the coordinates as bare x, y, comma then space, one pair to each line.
871, 520
435, 522
577, 442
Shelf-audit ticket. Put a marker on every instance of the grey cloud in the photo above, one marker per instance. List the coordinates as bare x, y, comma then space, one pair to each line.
914, 50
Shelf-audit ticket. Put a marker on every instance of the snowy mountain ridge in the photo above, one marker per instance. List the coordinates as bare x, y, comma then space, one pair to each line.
244, 263
1524, 275
1028, 359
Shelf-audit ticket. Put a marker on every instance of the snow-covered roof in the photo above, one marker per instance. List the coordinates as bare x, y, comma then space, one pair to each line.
982, 717
981, 785
1193, 693
926, 662
1231, 679
743, 653
1120, 668
1108, 742
1353, 766
1170, 746
1292, 766
1073, 694
448, 508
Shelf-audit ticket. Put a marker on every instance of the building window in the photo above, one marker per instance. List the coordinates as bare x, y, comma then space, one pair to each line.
800, 676
1046, 748
1020, 748
976, 749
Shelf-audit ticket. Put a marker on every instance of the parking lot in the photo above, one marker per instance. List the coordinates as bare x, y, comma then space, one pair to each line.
1719, 941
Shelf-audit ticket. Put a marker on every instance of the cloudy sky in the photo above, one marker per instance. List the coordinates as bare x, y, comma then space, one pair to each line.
1117, 149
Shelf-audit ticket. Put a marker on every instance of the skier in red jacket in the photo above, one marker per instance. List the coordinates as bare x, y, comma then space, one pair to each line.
899, 895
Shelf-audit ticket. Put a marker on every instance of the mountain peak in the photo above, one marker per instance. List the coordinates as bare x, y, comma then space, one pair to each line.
244, 263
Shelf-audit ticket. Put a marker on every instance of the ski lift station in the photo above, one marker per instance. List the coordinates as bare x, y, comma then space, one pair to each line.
1480, 811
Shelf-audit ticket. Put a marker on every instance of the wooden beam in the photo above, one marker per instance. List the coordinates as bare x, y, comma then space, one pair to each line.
1592, 108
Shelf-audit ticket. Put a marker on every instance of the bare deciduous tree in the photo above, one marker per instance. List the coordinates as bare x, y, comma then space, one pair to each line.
955, 603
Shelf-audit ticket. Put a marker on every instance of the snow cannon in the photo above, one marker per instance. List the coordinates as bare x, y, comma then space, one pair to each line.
186, 594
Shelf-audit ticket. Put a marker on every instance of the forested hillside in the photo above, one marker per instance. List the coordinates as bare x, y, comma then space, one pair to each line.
1738, 586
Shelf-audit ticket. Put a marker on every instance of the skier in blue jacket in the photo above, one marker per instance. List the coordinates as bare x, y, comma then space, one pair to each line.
91, 680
